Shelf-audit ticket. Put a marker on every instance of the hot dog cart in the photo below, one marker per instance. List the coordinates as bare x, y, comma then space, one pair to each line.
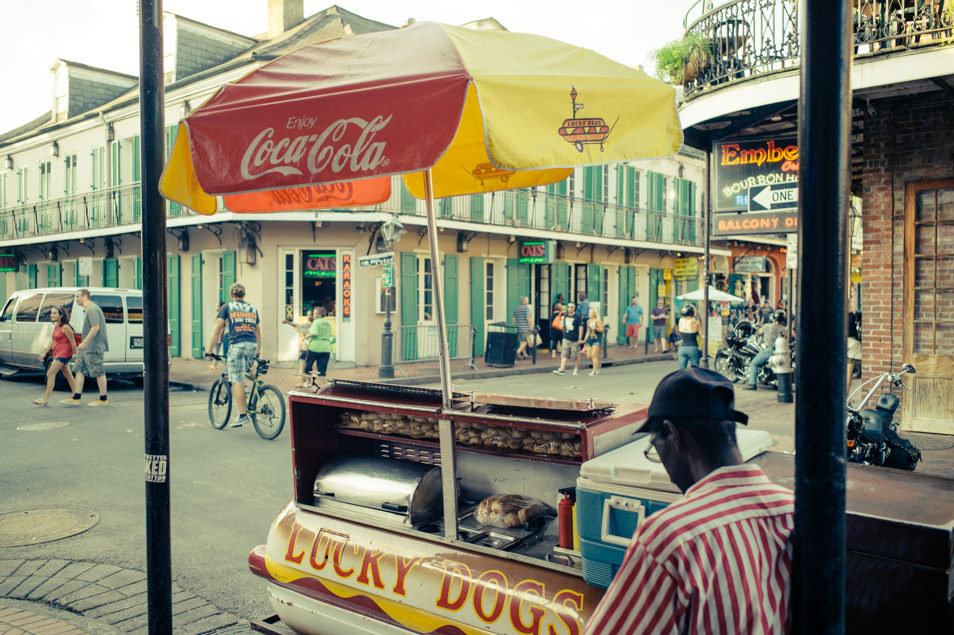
367, 543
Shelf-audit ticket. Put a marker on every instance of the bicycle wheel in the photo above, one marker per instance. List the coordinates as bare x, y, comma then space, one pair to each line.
268, 416
220, 403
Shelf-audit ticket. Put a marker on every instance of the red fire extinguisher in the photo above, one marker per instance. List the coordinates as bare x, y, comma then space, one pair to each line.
565, 517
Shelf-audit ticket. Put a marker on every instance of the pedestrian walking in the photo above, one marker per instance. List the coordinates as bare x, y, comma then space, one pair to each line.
688, 329
724, 549
594, 336
659, 316
556, 325
303, 327
573, 327
523, 318
89, 352
634, 319
62, 347
582, 306
319, 344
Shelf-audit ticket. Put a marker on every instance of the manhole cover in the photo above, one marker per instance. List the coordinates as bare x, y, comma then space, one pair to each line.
33, 526
44, 425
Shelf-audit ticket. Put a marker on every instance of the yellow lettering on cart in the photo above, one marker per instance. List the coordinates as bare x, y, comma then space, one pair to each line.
495, 582
370, 565
568, 599
454, 570
404, 566
290, 552
526, 588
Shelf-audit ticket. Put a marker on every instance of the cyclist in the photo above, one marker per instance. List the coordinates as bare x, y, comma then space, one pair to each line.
245, 344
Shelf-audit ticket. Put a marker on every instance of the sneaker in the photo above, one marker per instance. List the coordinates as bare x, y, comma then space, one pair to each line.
559, 372
240, 421
98, 402
576, 371
592, 373
71, 402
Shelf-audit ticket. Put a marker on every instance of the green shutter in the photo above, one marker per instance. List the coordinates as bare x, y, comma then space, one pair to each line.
408, 202
408, 290
174, 209
450, 301
137, 274
627, 289
523, 206
655, 277
116, 173
477, 207
172, 299
197, 306
594, 284
54, 275
518, 284
228, 274
31, 276
477, 305
110, 273
136, 176
560, 281
621, 171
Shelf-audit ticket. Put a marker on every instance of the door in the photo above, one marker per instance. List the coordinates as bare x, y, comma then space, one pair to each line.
477, 310
172, 288
928, 340
291, 309
26, 336
6, 331
196, 277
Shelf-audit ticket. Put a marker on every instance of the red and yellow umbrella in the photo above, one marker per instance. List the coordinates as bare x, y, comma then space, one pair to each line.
454, 110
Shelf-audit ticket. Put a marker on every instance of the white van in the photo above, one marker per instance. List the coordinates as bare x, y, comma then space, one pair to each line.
26, 330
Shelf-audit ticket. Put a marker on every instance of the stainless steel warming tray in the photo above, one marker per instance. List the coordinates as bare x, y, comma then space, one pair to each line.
381, 489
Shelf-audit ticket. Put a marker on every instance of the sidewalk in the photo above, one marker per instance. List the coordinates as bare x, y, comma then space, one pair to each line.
284, 375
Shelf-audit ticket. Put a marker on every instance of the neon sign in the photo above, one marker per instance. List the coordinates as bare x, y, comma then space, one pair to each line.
319, 265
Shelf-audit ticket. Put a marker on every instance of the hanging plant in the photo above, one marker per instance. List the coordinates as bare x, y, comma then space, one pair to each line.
683, 60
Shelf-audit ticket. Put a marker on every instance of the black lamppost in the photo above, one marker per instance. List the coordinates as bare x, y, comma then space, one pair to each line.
391, 232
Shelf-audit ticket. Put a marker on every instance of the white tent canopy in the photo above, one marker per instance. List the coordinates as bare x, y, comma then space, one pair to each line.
714, 295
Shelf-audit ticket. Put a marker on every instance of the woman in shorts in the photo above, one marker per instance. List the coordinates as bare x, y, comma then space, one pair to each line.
594, 335
63, 347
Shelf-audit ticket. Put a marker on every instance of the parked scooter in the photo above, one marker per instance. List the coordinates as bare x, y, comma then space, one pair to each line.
872, 433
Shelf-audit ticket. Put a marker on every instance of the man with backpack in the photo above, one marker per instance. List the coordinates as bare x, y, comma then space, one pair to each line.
245, 345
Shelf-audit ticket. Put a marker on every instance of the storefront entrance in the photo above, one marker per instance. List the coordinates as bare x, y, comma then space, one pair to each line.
316, 277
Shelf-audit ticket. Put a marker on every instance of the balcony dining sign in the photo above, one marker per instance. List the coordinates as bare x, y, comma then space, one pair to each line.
755, 186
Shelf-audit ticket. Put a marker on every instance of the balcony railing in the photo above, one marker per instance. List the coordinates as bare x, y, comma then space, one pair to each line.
518, 209
748, 38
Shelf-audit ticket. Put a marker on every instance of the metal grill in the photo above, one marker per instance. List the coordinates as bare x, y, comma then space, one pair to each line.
408, 452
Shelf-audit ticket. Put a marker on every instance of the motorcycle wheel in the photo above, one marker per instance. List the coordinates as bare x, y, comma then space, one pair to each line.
724, 365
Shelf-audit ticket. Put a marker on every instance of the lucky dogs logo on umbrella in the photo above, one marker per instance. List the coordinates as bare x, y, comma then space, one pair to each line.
583, 131
335, 148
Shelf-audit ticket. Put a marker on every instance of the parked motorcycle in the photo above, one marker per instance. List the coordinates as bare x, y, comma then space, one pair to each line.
742, 345
872, 432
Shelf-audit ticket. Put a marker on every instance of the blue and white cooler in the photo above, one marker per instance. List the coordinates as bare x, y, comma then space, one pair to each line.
617, 490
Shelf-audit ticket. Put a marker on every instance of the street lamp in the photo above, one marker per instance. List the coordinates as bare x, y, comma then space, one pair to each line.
391, 232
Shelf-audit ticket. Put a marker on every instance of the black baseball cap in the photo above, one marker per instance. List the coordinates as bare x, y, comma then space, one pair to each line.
693, 393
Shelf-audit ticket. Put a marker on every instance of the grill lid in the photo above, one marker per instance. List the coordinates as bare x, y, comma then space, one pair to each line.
403, 488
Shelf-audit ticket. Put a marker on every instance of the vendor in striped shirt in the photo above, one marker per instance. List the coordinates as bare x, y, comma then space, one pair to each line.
719, 559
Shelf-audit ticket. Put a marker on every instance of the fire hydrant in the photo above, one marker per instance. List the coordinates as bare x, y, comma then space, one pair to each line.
781, 364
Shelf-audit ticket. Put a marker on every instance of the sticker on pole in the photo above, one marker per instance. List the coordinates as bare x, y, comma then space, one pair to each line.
156, 468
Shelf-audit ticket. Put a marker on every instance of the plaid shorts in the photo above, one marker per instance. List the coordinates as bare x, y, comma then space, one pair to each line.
240, 360
89, 364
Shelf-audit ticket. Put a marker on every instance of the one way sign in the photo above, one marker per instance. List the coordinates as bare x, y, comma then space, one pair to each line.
764, 198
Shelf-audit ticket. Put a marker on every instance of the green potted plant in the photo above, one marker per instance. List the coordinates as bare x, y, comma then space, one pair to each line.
681, 61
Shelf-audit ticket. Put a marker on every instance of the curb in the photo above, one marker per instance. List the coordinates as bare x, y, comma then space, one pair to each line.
115, 598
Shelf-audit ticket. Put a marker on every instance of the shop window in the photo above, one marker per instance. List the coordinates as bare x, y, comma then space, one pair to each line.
425, 289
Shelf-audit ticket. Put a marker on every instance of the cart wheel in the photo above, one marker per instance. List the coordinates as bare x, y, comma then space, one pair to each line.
578, 145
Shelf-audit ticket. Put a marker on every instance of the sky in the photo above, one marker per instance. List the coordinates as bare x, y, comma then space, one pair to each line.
105, 33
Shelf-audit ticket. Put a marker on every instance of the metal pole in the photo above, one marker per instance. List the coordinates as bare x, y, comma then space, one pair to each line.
818, 575
386, 369
706, 214
155, 323
445, 425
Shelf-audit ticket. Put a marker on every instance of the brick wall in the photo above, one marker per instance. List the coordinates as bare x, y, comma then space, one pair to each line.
907, 139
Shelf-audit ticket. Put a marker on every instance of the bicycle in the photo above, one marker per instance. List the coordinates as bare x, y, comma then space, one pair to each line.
265, 403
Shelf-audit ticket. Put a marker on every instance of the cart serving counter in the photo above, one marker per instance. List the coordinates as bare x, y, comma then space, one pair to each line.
368, 544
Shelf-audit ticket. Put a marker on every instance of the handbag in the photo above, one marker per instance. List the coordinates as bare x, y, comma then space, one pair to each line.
537, 340
558, 322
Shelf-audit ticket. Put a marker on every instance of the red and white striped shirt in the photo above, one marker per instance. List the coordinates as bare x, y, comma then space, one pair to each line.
718, 560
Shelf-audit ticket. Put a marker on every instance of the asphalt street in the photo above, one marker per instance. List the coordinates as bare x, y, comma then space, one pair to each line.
226, 486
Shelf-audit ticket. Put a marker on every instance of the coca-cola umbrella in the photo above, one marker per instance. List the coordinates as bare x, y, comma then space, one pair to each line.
455, 110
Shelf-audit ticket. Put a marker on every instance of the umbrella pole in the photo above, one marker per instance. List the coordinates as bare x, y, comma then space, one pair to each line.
448, 451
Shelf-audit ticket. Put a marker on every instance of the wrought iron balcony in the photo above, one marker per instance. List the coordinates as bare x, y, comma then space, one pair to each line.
750, 38
121, 207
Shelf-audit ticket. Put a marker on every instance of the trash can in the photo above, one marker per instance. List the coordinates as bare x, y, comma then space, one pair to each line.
501, 345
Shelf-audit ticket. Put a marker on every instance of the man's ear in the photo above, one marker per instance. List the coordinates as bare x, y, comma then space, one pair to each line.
672, 436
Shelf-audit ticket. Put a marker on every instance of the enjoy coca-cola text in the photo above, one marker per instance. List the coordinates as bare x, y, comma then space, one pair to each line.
322, 151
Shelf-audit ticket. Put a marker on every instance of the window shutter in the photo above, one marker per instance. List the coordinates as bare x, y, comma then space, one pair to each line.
408, 291
450, 301
594, 285
518, 284
408, 202
196, 279
477, 302
137, 274
477, 207
172, 299
228, 274
110, 272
